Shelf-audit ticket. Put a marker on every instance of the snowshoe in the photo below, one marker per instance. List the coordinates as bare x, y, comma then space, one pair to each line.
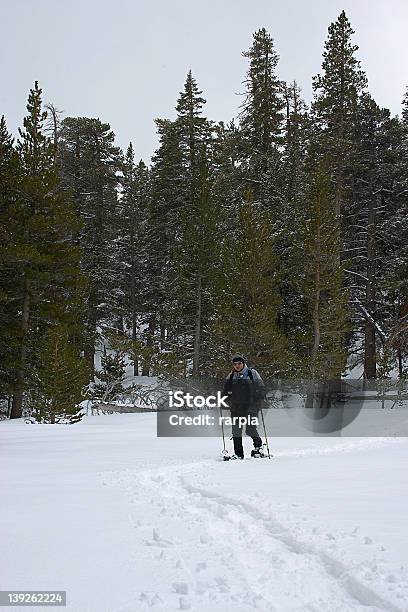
258, 453
225, 456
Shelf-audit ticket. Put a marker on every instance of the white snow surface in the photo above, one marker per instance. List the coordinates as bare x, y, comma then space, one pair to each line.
125, 521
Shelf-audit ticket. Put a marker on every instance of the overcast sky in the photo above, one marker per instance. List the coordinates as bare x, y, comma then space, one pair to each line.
125, 61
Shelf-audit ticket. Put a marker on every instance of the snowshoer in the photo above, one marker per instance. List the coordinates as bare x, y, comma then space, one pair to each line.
246, 391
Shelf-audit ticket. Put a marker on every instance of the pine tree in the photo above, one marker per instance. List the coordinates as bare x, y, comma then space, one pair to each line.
337, 92
43, 258
261, 124
296, 142
227, 174
58, 382
261, 120
135, 249
192, 129
324, 354
162, 227
247, 299
10, 179
392, 231
371, 206
195, 265
90, 164
183, 167
295, 162
111, 376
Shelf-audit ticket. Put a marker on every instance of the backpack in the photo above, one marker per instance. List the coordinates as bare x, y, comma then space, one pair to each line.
250, 375
259, 391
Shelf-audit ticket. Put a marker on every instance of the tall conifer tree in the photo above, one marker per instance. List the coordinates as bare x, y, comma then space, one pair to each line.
90, 164
10, 195
321, 285
262, 122
45, 262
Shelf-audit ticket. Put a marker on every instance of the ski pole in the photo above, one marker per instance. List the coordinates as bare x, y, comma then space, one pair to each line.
266, 437
222, 429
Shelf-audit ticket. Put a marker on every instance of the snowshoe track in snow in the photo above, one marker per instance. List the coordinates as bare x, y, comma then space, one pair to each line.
217, 552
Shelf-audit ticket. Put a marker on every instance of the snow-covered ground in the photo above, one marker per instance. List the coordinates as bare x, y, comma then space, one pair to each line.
125, 521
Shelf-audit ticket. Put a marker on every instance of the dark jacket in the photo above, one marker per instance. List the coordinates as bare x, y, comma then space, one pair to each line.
245, 388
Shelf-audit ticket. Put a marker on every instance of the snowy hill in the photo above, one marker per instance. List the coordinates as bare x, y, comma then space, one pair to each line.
125, 521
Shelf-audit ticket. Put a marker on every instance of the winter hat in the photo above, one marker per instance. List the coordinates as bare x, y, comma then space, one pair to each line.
237, 358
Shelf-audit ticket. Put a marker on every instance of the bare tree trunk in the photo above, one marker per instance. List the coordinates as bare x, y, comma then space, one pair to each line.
370, 362
316, 305
93, 313
91, 325
17, 405
133, 301
149, 344
311, 396
52, 128
9, 405
400, 360
134, 334
370, 358
197, 334
162, 335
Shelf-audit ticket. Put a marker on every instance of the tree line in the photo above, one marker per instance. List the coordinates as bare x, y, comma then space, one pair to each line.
281, 234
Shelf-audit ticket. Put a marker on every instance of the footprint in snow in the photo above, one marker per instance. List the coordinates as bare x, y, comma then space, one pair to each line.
204, 538
222, 584
202, 587
180, 587
201, 566
155, 600
159, 541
